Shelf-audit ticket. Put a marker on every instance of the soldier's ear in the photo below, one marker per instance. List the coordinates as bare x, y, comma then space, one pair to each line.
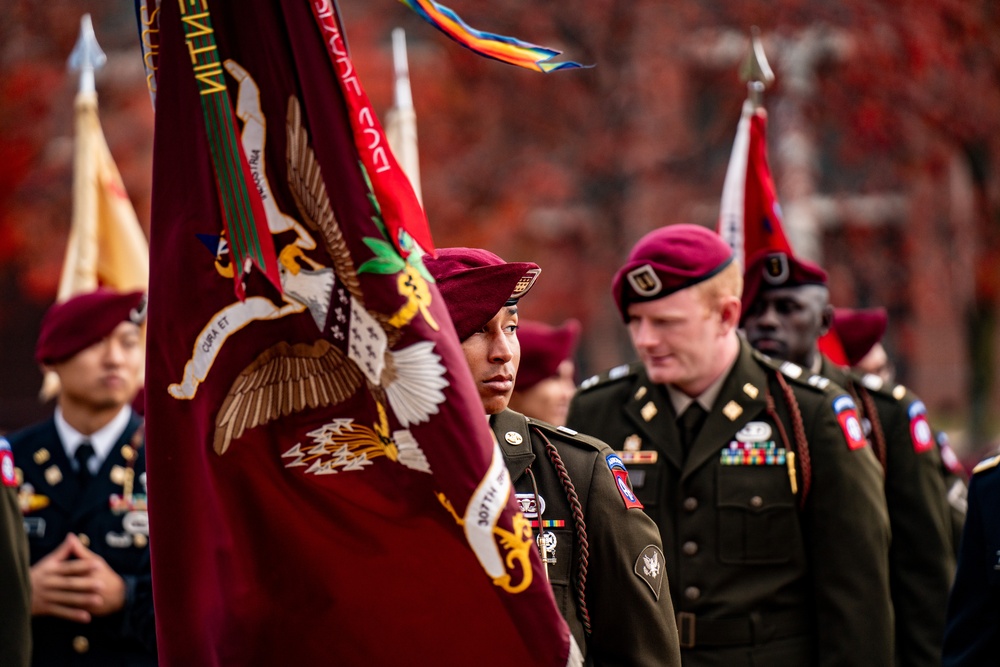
729, 312
827, 319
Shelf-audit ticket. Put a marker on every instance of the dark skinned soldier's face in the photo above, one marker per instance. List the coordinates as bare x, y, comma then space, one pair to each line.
785, 323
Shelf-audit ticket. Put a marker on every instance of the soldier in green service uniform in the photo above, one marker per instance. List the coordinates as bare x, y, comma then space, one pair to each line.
602, 555
786, 309
15, 582
768, 498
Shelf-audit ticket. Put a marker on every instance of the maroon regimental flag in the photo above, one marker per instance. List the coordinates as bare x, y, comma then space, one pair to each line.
323, 485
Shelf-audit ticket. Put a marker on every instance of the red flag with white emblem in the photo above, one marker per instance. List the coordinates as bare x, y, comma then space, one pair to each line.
323, 486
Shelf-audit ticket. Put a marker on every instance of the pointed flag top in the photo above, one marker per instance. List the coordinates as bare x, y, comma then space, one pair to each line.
402, 97
755, 70
87, 56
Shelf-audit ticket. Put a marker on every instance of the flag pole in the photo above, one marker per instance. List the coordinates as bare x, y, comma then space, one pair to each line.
87, 56
756, 71
401, 120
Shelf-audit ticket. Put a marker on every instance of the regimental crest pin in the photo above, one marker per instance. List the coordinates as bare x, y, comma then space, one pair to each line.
513, 437
732, 410
53, 475
776, 268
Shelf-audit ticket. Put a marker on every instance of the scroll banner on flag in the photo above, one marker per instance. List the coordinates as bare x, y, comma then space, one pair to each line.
750, 216
323, 486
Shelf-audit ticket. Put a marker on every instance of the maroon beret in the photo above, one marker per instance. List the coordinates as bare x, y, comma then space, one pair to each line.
543, 348
768, 270
82, 320
859, 329
476, 284
667, 260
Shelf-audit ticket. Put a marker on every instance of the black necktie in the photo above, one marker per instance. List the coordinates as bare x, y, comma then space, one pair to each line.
82, 455
689, 424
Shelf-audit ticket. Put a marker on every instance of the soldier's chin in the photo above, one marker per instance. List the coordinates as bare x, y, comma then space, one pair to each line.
771, 348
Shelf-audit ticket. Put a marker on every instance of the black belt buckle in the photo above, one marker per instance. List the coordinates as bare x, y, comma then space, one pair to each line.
685, 629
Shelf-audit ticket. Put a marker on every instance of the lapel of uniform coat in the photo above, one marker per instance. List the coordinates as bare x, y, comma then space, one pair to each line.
741, 399
649, 408
101, 487
519, 456
63, 493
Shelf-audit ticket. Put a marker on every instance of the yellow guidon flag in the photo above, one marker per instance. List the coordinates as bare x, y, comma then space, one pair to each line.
106, 245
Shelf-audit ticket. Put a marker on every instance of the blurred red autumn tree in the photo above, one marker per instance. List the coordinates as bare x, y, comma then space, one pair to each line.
883, 140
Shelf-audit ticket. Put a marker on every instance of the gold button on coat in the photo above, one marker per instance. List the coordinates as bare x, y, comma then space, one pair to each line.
691, 504
81, 644
692, 592
690, 548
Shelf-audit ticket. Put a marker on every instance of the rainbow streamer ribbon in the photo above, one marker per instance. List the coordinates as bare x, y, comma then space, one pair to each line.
505, 49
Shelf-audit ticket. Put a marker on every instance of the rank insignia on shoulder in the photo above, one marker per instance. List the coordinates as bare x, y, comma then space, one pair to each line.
847, 417
590, 382
920, 429
567, 430
818, 381
872, 381
793, 371
649, 568
618, 372
986, 465
621, 480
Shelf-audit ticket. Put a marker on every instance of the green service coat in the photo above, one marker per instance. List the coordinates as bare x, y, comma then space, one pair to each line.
921, 557
755, 578
627, 595
15, 581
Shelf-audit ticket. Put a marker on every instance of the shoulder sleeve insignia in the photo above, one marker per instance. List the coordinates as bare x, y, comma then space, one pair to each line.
920, 429
872, 381
618, 372
847, 417
793, 371
649, 568
8, 476
621, 480
986, 465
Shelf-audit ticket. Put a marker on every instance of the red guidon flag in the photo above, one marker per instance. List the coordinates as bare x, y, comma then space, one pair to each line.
750, 216
323, 485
